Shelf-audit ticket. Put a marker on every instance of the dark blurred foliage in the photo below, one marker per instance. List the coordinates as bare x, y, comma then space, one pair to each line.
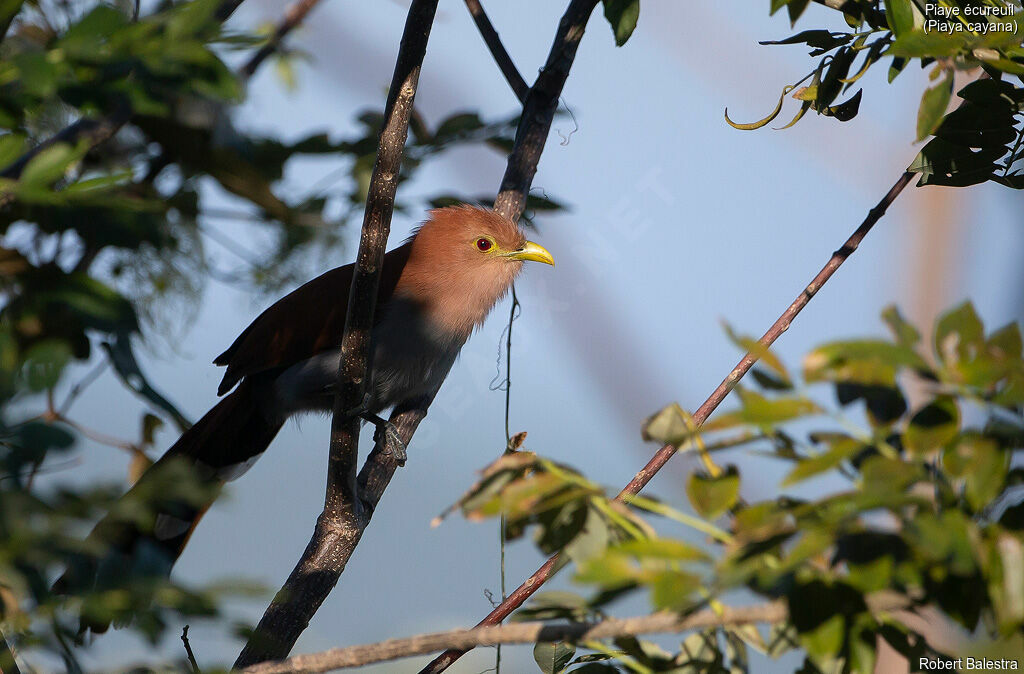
104, 248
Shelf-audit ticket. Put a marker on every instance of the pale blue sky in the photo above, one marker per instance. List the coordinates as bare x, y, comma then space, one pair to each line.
677, 222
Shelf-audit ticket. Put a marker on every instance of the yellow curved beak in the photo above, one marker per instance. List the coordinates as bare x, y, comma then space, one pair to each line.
533, 252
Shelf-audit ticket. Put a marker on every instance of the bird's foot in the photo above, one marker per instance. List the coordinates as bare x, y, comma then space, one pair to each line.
388, 432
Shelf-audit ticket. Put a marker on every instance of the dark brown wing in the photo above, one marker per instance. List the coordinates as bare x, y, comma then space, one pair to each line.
308, 320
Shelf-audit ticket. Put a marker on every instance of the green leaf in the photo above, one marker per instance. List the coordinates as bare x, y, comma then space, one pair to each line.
863, 361
38, 437
820, 612
896, 67
674, 590
45, 362
661, 548
840, 450
552, 658
1003, 557
457, 125
933, 426
49, 165
900, 14
1006, 343
591, 541
762, 521
933, 106
759, 410
559, 526
610, 571
12, 145
736, 651
622, 15
986, 471
905, 333
944, 163
832, 84
846, 110
958, 332
795, 8
889, 477
862, 651
668, 426
712, 496
750, 126
554, 605
99, 305
917, 44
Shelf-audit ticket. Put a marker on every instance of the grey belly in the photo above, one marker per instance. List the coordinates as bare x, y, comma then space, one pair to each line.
408, 361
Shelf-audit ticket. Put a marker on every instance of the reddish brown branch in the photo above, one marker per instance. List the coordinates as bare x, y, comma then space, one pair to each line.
658, 461
519, 86
781, 324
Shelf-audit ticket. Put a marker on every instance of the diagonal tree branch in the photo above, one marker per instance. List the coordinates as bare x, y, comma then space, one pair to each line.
519, 86
539, 110
293, 16
344, 518
658, 461
663, 622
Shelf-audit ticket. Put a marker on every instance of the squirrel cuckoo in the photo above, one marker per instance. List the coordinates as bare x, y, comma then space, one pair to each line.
434, 290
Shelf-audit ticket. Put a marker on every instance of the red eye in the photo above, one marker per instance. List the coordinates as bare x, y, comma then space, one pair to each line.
483, 245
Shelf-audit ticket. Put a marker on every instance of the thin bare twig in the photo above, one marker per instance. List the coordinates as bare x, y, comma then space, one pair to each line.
188, 651
344, 518
52, 416
293, 16
540, 632
658, 461
519, 86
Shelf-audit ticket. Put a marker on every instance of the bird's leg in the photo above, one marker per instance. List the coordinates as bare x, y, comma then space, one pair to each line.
393, 444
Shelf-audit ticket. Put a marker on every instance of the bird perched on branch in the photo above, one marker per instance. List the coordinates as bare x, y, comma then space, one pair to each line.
435, 289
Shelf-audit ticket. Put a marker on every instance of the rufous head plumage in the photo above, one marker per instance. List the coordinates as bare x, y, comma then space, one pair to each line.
463, 260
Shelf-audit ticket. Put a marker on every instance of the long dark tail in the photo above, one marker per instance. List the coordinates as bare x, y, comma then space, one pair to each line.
146, 530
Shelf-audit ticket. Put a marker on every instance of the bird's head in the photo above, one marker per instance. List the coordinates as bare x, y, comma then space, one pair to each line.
463, 260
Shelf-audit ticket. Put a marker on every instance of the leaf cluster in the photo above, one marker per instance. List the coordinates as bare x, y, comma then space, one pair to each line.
977, 142
915, 500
